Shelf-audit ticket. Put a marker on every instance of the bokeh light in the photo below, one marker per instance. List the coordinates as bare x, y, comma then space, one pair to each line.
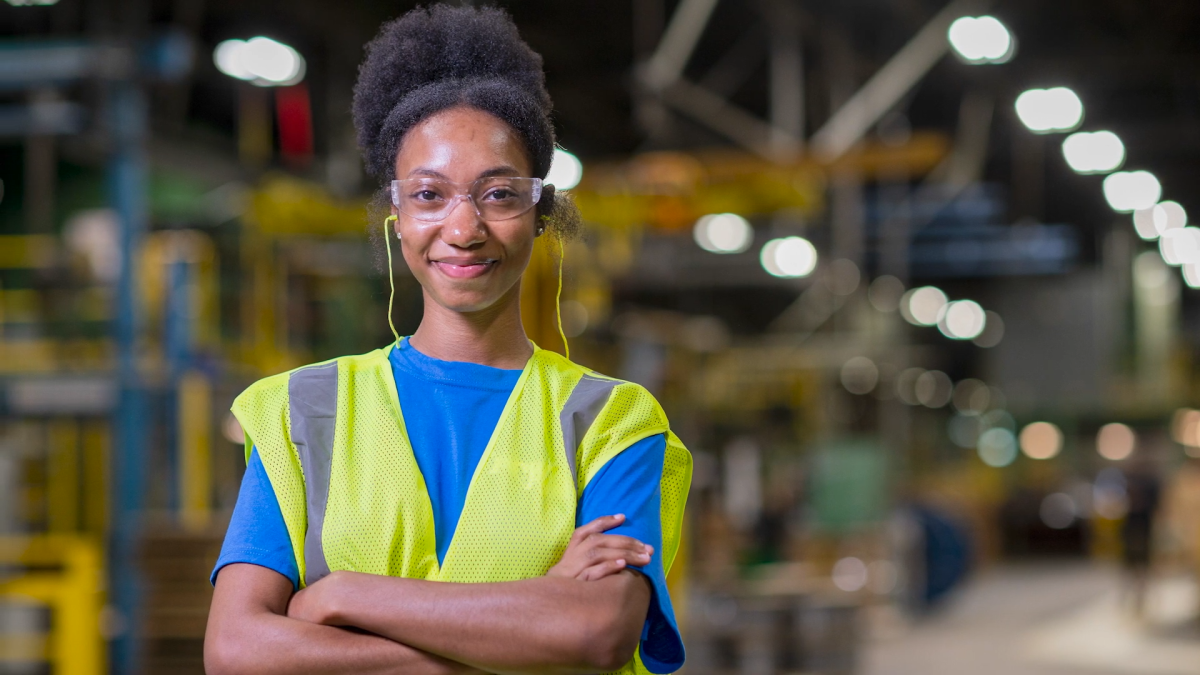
971, 396
842, 277
1180, 246
921, 306
997, 447
1058, 511
982, 39
1128, 191
1191, 274
1151, 223
859, 375
1115, 441
933, 389
260, 60
1041, 440
1093, 152
565, 170
906, 385
962, 320
885, 292
850, 574
1050, 110
723, 233
1185, 427
789, 257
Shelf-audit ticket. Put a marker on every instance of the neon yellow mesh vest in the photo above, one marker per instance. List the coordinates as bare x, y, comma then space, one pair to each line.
332, 439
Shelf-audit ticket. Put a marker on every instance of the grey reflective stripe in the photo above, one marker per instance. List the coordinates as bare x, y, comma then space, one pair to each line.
312, 398
583, 406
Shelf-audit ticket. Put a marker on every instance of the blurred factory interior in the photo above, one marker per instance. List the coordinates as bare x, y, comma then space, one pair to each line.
913, 279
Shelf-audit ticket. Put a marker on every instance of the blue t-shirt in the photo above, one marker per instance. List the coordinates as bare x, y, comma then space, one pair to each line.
450, 410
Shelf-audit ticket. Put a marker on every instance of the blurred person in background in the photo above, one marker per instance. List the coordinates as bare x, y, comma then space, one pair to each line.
551, 494
1143, 489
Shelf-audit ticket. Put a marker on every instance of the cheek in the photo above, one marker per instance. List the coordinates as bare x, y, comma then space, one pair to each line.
519, 239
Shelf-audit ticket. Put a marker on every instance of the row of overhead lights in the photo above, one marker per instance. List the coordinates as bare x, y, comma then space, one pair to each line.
792, 257
976, 40
1059, 109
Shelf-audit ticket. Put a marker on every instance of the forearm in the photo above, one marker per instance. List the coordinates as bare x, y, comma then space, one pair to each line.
266, 644
249, 632
545, 624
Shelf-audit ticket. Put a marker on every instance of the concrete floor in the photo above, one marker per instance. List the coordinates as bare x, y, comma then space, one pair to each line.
1052, 619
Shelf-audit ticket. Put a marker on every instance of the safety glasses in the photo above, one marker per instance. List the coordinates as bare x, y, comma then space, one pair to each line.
495, 198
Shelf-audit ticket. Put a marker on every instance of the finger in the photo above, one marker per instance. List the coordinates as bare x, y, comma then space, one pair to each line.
598, 525
619, 541
601, 570
597, 554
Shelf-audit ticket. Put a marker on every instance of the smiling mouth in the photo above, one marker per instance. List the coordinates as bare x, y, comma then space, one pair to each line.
464, 270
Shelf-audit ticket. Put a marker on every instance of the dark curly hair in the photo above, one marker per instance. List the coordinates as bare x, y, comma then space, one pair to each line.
440, 57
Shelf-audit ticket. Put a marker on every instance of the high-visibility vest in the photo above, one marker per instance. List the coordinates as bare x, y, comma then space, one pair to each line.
333, 441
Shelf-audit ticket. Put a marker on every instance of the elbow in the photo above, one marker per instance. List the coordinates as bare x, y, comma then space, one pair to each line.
224, 655
609, 641
610, 657
606, 653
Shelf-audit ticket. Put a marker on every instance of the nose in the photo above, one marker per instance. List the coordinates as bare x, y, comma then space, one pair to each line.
462, 227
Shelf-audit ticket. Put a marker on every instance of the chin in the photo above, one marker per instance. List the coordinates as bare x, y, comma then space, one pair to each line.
466, 302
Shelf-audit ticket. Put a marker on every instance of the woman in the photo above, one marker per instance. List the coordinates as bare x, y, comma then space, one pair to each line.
552, 495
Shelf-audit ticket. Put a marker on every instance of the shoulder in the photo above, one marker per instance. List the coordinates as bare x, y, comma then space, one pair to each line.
622, 392
273, 385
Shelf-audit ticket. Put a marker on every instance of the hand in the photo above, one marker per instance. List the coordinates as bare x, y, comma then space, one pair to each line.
592, 555
314, 603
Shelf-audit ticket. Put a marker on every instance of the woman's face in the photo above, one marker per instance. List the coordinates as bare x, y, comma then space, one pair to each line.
464, 263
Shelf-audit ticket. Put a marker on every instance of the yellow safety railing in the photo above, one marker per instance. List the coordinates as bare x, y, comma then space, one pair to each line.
64, 573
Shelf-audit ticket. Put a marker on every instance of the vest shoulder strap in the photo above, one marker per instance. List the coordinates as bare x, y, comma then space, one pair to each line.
604, 416
628, 414
291, 419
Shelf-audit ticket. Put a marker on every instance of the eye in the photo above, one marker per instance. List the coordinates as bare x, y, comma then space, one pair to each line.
424, 193
501, 194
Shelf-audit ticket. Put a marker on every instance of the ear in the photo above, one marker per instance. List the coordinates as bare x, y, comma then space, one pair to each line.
545, 205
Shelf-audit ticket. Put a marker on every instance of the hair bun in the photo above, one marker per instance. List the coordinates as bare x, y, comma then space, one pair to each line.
441, 43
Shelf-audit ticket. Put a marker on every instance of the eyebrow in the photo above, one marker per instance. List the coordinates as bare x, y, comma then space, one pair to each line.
504, 170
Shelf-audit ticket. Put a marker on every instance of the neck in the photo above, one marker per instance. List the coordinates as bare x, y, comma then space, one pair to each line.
492, 337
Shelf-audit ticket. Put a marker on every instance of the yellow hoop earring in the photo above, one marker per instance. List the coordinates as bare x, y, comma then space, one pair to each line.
387, 243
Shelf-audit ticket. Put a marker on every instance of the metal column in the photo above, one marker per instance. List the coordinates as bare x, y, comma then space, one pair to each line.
127, 193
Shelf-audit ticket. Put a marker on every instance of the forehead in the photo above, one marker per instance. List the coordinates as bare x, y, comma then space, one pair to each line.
461, 143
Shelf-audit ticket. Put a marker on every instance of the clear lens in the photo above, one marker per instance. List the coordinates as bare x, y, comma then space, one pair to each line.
496, 198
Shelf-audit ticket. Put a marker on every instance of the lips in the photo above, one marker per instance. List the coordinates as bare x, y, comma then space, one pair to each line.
464, 268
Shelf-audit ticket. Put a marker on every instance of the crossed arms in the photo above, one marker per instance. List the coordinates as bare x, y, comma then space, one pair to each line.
584, 616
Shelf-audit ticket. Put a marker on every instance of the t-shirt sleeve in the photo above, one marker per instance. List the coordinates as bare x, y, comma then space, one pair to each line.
630, 484
257, 533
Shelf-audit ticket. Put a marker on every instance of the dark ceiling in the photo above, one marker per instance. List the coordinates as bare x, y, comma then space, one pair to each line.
1136, 66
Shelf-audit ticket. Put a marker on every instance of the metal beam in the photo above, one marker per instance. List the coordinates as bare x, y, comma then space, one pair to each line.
678, 42
49, 118
787, 81
727, 119
42, 64
891, 83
